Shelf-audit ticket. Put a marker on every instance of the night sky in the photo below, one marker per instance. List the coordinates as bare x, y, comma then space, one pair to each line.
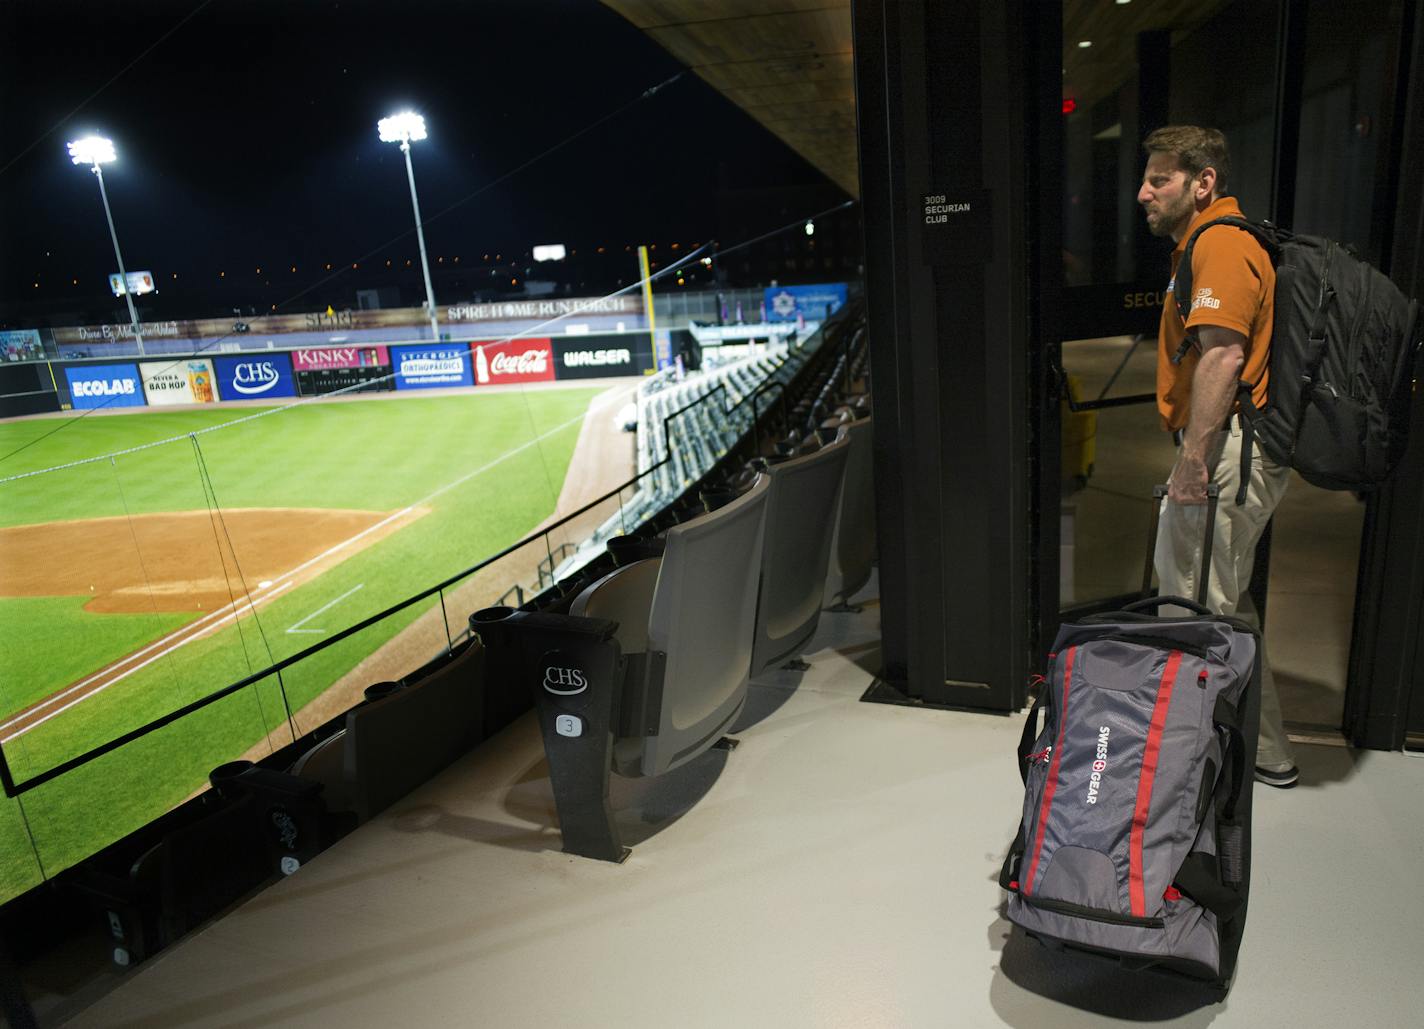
247, 138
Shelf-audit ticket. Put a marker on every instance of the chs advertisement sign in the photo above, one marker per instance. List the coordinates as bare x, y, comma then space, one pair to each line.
178, 382
255, 378
430, 366
104, 385
515, 360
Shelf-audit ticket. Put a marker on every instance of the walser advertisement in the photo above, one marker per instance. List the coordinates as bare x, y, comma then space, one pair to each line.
178, 382
104, 385
433, 365
596, 357
328, 369
255, 378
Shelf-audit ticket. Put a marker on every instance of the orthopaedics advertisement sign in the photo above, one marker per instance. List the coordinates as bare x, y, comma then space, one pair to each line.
514, 360
104, 385
182, 381
256, 377
426, 367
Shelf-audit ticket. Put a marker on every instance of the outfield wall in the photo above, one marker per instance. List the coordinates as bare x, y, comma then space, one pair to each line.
314, 371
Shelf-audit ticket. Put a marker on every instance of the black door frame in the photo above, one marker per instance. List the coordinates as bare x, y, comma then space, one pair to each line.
960, 100
1384, 697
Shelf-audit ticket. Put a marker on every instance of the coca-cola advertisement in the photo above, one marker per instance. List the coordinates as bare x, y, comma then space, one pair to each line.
513, 360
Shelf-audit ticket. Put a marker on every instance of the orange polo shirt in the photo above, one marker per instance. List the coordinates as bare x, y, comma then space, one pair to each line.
1233, 286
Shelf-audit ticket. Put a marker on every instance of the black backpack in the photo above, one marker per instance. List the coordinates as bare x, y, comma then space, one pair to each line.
1341, 366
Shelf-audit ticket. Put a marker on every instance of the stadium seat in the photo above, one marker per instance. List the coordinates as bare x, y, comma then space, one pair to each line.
392, 744
325, 763
797, 550
853, 539
647, 670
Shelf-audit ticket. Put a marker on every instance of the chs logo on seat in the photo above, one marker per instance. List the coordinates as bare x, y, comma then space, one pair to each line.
1100, 764
564, 681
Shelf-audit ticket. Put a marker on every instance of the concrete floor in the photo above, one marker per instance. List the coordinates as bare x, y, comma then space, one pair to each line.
838, 869
1314, 552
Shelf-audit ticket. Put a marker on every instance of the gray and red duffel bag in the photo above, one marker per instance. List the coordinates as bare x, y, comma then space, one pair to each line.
1136, 833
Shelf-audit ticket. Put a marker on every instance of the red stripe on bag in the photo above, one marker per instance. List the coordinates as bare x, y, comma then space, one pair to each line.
1052, 782
1144, 783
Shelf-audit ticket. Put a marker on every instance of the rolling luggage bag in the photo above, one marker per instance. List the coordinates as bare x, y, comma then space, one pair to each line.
1135, 839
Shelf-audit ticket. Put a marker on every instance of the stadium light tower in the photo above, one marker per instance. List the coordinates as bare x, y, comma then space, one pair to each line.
95, 151
405, 128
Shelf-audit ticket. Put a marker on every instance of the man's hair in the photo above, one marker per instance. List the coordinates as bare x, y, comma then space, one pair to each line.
1195, 149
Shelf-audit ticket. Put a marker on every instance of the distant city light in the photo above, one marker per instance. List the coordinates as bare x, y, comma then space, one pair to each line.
401, 128
92, 150
550, 252
1083, 44
810, 227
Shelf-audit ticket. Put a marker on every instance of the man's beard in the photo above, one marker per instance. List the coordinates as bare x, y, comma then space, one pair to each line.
1169, 217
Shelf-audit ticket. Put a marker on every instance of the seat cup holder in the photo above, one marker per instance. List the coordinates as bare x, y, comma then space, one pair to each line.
381, 690
224, 775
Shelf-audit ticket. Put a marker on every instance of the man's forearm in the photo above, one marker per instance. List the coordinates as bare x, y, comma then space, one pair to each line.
1214, 386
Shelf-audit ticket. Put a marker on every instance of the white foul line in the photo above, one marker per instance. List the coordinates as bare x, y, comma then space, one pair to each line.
297, 627
249, 606
194, 630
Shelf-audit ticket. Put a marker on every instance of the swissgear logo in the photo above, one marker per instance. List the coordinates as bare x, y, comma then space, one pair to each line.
1100, 764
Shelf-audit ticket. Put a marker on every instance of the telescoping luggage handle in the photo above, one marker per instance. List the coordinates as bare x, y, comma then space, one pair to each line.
1159, 493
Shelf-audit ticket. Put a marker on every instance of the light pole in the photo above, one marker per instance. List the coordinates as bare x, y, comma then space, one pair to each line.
94, 151
405, 128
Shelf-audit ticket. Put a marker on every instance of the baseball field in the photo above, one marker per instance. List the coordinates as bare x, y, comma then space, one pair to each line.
149, 558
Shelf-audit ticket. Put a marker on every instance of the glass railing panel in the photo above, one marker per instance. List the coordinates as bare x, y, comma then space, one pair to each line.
89, 807
1111, 459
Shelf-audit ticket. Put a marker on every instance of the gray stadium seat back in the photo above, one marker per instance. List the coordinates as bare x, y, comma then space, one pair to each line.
326, 763
624, 596
853, 541
800, 516
395, 744
702, 616
700, 610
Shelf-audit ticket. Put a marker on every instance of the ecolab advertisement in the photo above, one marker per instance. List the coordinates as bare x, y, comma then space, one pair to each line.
255, 378
431, 366
178, 382
514, 360
104, 385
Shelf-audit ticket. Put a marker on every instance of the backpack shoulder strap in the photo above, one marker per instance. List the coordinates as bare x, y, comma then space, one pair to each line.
1266, 235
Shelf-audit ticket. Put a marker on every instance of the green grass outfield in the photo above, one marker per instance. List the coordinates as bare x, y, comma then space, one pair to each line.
458, 454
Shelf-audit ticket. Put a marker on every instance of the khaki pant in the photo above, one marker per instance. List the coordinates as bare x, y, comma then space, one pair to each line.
1180, 536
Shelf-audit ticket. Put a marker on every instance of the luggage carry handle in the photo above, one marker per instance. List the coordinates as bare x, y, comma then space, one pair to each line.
1152, 603
1213, 494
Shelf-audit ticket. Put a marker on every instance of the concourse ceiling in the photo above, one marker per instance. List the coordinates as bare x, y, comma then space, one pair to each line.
788, 63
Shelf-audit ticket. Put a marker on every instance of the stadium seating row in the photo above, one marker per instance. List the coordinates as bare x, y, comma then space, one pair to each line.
651, 664
274, 816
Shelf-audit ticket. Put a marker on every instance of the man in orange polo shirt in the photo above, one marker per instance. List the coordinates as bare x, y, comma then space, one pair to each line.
1228, 337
